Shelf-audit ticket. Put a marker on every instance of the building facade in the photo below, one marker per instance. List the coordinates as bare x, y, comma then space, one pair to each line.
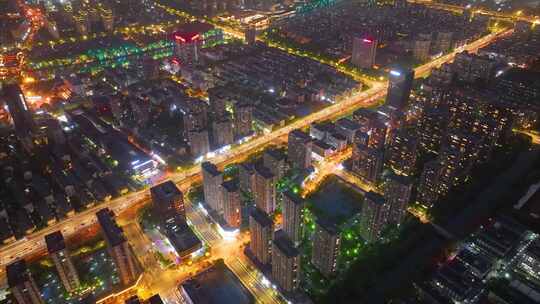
231, 203
367, 162
22, 285
402, 152
285, 263
326, 247
168, 200
400, 83
261, 229
397, 193
364, 51
375, 216
118, 247
292, 209
212, 180
299, 149
265, 189
56, 247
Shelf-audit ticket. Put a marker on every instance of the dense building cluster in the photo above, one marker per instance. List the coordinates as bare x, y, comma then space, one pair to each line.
376, 35
501, 250
520, 48
67, 168
23, 286
273, 151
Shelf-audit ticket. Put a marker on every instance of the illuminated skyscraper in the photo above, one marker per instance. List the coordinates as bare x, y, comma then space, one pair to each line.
431, 128
402, 151
326, 246
373, 128
400, 83
261, 229
107, 18
285, 263
82, 23
243, 119
22, 285
187, 46
428, 184
299, 149
18, 109
292, 216
375, 216
459, 152
218, 102
367, 162
265, 189
246, 175
421, 49
364, 51
397, 192
199, 143
275, 160
443, 41
196, 115
250, 35
168, 200
222, 132
473, 68
62, 261
118, 247
377, 134
212, 180
231, 203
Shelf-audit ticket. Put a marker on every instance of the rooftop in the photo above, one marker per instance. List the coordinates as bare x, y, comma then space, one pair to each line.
401, 179
285, 245
374, 197
323, 126
230, 185
217, 285
182, 237
210, 168
346, 123
295, 198
113, 233
338, 136
55, 242
17, 273
165, 191
155, 299
300, 134
264, 172
261, 217
328, 226
248, 166
323, 145
276, 154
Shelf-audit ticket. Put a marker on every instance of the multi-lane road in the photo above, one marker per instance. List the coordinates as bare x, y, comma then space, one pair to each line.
34, 242
157, 280
518, 15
